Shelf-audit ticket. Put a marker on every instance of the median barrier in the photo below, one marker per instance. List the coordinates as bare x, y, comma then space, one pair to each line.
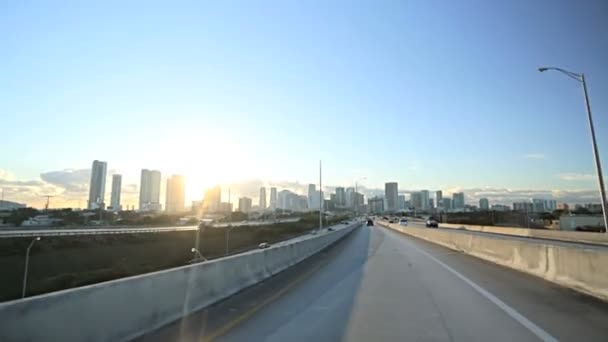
578, 267
126, 308
561, 235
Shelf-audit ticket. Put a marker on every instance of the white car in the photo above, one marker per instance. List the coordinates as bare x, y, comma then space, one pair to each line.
403, 222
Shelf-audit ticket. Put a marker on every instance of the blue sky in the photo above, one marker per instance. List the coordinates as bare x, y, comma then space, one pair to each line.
432, 94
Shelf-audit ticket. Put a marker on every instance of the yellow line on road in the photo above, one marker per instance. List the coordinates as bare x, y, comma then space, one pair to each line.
228, 326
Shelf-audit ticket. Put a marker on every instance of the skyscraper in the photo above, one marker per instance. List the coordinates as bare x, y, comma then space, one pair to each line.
262, 198
245, 204
424, 194
538, 205
149, 190
97, 188
273, 198
115, 197
176, 194
391, 193
212, 200
438, 198
340, 197
375, 205
401, 202
484, 204
458, 200
350, 197
416, 200
313, 196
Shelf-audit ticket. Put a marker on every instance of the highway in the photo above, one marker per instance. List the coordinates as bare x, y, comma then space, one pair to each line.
380, 285
32, 232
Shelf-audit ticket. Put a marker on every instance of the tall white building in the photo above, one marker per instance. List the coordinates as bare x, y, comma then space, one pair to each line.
425, 200
438, 198
149, 190
350, 197
538, 205
401, 202
313, 197
97, 188
115, 197
458, 200
391, 195
416, 200
484, 204
212, 200
262, 202
550, 205
340, 197
176, 194
245, 204
273, 198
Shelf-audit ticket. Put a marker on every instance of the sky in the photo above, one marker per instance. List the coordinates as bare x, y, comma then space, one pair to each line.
431, 94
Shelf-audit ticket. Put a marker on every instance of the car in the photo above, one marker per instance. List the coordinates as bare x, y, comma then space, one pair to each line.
263, 245
330, 229
403, 222
431, 223
370, 223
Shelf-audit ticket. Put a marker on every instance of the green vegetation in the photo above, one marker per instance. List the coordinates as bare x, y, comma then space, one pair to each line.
62, 262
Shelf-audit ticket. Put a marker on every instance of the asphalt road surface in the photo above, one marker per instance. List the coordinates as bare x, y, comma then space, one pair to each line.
380, 285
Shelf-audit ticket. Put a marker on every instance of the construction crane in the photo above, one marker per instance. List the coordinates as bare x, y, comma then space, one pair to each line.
48, 199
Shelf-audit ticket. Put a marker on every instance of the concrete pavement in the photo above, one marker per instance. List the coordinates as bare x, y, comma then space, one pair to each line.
382, 285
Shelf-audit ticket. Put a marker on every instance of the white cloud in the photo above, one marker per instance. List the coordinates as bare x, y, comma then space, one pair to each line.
572, 176
536, 156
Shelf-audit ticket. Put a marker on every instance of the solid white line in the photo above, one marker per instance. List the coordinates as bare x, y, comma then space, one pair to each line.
535, 329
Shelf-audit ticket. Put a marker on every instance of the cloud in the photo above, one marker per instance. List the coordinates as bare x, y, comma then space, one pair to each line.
536, 156
572, 176
74, 181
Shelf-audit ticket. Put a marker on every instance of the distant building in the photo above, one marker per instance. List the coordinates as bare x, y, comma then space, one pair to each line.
312, 189
225, 207
431, 204
97, 188
401, 202
538, 205
212, 200
350, 197
391, 194
523, 206
262, 202
550, 205
594, 207
375, 205
273, 198
340, 197
416, 200
563, 206
115, 196
424, 200
149, 190
458, 200
500, 207
245, 204
446, 203
175, 195
484, 204
438, 198
197, 206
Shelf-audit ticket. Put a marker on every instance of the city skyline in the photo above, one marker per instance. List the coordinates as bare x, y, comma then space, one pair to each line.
345, 194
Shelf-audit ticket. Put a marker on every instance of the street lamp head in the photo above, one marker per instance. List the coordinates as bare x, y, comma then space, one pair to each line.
541, 69
38, 238
193, 250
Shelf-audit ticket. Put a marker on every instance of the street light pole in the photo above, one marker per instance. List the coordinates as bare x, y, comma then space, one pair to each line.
27, 263
320, 198
596, 155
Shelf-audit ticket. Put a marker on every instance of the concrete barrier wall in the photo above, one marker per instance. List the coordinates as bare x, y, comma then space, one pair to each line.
582, 269
562, 235
126, 308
